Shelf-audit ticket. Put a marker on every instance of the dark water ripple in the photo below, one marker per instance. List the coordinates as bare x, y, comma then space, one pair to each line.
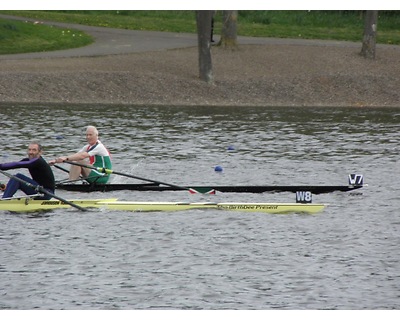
344, 258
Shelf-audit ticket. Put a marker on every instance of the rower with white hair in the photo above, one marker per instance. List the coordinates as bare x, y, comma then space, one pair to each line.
94, 153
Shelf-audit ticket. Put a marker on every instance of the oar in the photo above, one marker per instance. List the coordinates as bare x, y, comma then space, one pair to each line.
65, 170
42, 190
109, 171
61, 168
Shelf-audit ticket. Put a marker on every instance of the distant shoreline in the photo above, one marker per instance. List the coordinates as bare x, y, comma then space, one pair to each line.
130, 67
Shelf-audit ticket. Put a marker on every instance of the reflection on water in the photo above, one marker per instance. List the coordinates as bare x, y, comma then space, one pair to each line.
344, 258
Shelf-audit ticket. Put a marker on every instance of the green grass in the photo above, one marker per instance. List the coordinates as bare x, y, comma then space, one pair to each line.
328, 25
21, 37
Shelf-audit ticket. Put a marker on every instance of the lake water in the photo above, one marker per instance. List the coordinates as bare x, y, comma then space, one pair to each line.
347, 257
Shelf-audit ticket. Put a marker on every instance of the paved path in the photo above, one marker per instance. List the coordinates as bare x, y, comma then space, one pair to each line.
109, 41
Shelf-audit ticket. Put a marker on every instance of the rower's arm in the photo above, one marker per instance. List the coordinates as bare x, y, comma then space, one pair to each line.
74, 157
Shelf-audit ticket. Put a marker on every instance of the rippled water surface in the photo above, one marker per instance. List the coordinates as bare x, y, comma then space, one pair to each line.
347, 257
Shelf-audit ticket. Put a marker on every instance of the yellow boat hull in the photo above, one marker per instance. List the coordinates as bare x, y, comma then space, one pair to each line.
228, 206
30, 205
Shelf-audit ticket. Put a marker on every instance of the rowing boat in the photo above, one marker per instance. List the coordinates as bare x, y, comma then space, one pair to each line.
355, 181
31, 205
315, 189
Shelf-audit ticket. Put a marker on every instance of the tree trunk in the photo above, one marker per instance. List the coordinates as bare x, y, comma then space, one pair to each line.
369, 39
203, 19
229, 29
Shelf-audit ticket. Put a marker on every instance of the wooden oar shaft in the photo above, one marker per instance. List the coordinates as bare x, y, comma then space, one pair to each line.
42, 190
110, 171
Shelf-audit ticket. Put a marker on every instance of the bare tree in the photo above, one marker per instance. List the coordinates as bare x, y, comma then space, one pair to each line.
369, 39
229, 29
203, 19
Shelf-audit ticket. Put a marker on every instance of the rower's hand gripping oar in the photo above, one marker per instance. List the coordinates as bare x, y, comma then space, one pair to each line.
42, 190
110, 171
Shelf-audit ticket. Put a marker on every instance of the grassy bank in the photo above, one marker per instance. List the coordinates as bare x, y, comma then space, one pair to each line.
332, 25
20, 37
